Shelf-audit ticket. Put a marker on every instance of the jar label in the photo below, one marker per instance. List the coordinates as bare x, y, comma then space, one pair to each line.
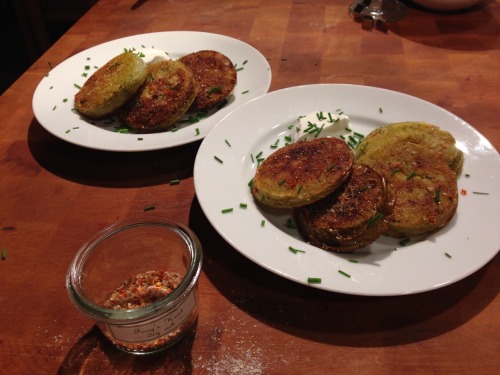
156, 327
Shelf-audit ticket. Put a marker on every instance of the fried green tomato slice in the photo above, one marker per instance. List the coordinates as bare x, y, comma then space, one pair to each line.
111, 86
424, 188
350, 218
439, 141
215, 76
165, 96
303, 172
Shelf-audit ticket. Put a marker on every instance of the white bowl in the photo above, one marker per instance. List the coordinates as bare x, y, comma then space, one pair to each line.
447, 5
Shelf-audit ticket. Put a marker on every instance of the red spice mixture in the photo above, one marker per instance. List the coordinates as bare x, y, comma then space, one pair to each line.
143, 289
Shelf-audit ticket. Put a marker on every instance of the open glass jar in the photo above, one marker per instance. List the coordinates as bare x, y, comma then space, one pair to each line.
137, 279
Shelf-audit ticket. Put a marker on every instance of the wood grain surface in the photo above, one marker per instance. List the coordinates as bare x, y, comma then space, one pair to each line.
54, 196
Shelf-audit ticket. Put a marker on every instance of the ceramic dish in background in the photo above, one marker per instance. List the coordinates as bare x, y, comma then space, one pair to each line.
226, 162
447, 5
54, 96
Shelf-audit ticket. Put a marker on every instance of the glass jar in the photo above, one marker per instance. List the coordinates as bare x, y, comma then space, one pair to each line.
138, 319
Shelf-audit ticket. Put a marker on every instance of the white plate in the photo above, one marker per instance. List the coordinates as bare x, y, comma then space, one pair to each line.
384, 268
54, 97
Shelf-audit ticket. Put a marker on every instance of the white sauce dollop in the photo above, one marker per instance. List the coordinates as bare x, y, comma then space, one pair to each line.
152, 55
320, 124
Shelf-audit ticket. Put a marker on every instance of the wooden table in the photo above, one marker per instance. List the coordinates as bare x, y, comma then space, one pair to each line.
54, 196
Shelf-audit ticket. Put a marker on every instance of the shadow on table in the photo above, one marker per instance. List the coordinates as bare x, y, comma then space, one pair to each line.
109, 169
473, 29
333, 318
94, 354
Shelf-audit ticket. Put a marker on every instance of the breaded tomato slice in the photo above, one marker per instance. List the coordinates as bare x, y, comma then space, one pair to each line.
111, 86
303, 172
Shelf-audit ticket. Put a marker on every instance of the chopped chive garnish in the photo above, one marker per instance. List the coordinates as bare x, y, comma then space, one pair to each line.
197, 130
467, 175
149, 208
219, 160
238, 69
294, 250
262, 223
289, 224
374, 219
358, 134
344, 273
282, 182
353, 260
245, 92
480, 193
227, 142
250, 183
226, 210
174, 182
404, 241
314, 280
4, 254
77, 86
243, 205
299, 189
330, 167
437, 196
447, 255
410, 176
244, 62
214, 89
380, 109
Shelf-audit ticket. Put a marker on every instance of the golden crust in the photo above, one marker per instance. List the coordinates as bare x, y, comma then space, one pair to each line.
431, 137
350, 218
215, 77
111, 86
303, 172
165, 96
423, 185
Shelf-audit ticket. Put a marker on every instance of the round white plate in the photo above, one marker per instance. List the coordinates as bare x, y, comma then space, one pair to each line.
53, 100
226, 163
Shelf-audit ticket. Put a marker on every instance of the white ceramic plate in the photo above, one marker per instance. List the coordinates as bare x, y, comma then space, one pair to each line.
384, 268
54, 97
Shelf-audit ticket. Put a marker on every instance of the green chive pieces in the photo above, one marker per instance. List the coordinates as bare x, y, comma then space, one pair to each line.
149, 208
262, 222
4, 254
227, 210
404, 241
227, 142
437, 196
243, 205
344, 273
375, 218
330, 167
174, 182
218, 159
314, 280
447, 255
294, 250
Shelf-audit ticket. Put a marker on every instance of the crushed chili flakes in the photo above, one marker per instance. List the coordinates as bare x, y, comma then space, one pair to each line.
143, 289
463, 192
